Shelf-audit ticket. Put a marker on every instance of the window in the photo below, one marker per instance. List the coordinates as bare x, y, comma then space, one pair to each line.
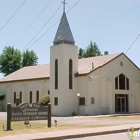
30, 97
37, 96
56, 101
82, 101
92, 100
56, 74
116, 83
122, 82
127, 83
48, 92
14, 97
20, 99
70, 74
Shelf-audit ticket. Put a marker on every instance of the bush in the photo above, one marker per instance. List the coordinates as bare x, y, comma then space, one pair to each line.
2, 96
44, 100
73, 114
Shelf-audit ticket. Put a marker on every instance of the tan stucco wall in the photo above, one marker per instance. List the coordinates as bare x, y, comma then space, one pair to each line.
25, 87
103, 86
66, 97
99, 84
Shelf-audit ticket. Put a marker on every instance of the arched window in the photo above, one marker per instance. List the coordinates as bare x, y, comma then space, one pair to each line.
56, 74
127, 83
116, 82
70, 74
122, 82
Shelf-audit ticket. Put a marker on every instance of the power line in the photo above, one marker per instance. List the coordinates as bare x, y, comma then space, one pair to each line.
67, 13
93, 77
13, 15
32, 23
52, 25
132, 43
44, 34
73, 6
43, 27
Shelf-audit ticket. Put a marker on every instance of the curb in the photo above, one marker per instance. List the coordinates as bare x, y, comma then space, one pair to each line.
85, 135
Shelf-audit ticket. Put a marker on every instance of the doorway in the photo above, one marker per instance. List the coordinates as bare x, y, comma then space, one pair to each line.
121, 103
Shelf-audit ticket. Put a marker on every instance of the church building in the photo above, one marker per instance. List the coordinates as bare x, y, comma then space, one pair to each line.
105, 84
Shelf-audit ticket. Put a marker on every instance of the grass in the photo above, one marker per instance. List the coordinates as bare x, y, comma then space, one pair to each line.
20, 128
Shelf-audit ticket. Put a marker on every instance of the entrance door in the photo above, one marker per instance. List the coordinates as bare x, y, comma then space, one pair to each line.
121, 103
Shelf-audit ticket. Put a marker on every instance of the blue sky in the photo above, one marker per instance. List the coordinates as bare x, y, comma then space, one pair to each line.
112, 24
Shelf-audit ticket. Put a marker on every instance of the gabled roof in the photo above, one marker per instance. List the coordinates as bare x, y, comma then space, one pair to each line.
28, 73
85, 67
64, 34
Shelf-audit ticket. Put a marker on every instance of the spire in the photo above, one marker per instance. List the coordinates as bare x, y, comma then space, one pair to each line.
64, 34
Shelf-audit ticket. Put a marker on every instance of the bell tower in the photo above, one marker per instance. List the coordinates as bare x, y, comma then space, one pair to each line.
63, 66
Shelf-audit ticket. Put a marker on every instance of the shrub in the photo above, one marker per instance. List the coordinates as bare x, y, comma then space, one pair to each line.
2, 96
44, 100
73, 114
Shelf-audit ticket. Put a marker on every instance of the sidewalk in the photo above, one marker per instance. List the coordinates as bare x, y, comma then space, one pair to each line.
59, 135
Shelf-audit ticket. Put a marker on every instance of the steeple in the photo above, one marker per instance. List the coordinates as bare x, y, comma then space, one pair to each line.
64, 34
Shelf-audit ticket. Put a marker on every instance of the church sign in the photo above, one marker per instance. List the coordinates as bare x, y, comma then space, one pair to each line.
28, 112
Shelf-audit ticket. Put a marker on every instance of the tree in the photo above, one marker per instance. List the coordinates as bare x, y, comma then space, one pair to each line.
29, 58
92, 50
44, 100
10, 60
81, 53
106, 53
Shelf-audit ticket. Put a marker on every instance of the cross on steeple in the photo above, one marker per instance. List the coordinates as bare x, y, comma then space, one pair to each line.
64, 34
64, 3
